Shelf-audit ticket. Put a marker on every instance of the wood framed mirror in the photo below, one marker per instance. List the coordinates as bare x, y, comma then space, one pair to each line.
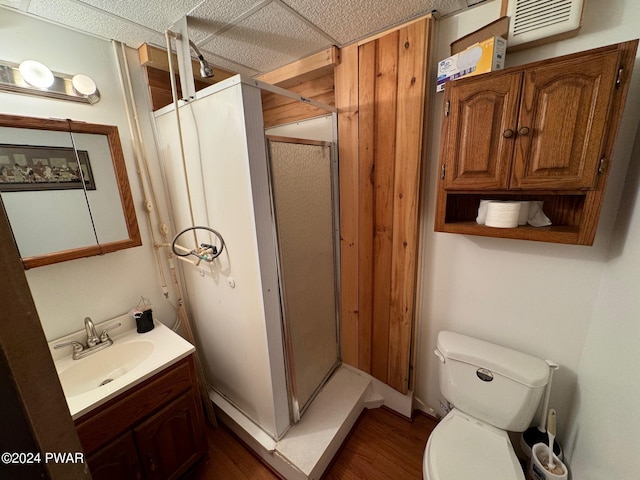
65, 189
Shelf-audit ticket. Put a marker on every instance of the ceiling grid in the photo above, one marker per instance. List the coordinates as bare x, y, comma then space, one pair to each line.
245, 36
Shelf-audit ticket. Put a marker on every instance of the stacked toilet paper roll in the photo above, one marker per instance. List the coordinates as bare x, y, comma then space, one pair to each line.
502, 214
510, 214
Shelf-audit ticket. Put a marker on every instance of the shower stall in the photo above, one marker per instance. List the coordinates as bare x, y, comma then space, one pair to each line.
265, 311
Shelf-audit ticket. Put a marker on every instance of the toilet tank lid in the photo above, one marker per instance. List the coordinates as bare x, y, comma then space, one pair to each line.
520, 367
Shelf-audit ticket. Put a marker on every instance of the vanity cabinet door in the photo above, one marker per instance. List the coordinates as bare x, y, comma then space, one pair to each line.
480, 119
170, 441
119, 459
562, 122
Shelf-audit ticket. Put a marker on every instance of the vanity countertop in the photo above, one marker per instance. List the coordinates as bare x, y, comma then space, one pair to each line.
147, 354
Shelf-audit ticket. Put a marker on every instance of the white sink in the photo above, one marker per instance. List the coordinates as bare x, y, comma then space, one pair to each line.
101, 368
95, 379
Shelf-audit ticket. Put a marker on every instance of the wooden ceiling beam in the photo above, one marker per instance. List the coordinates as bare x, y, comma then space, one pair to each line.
156, 57
310, 68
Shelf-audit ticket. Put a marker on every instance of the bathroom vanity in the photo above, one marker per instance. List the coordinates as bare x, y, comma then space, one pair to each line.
153, 431
135, 404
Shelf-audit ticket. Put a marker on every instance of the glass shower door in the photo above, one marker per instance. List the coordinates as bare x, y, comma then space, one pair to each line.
304, 204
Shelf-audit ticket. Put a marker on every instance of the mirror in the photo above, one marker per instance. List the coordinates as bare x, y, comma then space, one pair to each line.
65, 189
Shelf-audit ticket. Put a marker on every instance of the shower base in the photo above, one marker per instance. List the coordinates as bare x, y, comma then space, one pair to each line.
307, 448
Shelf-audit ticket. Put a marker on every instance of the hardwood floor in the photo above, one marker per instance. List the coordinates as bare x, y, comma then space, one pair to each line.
382, 446
229, 459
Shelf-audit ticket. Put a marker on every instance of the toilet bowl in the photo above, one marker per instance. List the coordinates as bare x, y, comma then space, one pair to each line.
493, 390
464, 448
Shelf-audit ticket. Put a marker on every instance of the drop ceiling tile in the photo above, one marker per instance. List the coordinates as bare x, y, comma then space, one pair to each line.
447, 7
351, 20
88, 19
157, 15
268, 39
213, 15
12, 3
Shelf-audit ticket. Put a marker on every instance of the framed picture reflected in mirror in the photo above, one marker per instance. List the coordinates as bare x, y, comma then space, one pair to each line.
29, 167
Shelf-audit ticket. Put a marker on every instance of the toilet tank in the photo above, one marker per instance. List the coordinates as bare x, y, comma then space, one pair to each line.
494, 384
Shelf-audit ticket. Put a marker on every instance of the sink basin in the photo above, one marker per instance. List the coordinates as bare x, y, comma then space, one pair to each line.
133, 358
104, 366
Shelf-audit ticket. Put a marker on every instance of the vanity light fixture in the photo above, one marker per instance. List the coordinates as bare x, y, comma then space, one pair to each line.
36, 74
34, 78
83, 85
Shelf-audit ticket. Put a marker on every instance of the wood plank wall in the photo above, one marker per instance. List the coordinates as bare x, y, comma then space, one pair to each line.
278, 110
380, 94
346, 76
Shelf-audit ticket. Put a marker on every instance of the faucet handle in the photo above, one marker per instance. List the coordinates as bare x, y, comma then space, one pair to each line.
77, 346
104, 336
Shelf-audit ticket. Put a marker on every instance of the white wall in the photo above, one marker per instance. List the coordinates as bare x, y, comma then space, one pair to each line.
100, 287
535, 297
604, 436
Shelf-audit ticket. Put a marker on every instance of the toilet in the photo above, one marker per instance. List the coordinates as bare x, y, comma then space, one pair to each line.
493, 390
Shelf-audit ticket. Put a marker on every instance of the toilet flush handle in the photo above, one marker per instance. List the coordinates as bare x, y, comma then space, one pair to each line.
439, 355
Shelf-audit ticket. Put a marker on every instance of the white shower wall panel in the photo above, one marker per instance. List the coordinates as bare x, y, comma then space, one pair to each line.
234, 300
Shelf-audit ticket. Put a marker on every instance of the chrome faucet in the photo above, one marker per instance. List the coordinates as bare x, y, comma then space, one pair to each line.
95, 343
92, 336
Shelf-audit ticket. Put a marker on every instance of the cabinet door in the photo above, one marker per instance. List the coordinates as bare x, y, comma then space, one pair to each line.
171, 440
118, 459
480, 131
562, 123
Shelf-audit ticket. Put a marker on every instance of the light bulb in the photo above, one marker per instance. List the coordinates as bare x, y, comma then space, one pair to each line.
83, 84
36, 74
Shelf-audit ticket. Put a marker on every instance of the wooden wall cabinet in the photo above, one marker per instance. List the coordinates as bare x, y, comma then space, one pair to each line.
154, 432
542, 131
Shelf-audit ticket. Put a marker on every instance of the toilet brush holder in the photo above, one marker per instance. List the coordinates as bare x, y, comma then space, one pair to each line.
538, 465
535, 435
538, 434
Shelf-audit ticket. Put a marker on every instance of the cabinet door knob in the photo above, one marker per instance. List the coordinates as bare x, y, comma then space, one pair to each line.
508, 133
152, 464
602, 166
524, 131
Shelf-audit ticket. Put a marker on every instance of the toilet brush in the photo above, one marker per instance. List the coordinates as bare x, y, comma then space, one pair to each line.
551, 431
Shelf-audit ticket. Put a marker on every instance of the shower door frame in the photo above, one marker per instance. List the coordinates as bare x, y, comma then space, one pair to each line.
296, 410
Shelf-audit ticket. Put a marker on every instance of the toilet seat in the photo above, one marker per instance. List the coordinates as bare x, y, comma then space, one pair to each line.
462, 447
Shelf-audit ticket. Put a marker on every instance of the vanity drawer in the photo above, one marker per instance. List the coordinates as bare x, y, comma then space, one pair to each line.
106, 422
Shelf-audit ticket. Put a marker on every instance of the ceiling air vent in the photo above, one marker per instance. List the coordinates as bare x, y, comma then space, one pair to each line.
542, 21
